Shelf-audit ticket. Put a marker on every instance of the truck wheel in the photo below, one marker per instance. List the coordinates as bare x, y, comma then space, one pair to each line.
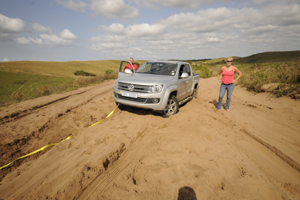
195, 93
171, 108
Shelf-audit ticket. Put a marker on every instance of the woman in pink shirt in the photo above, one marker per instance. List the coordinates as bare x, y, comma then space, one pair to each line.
227, 82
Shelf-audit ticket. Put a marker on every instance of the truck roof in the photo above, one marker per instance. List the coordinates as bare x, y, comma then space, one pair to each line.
167, 61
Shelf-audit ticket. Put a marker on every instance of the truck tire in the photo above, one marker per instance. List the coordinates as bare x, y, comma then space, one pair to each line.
171, 108
195, 93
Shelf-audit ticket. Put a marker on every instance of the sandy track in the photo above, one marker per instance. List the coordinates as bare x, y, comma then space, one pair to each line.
250, 152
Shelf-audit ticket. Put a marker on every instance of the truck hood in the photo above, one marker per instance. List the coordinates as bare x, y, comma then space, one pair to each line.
146, 79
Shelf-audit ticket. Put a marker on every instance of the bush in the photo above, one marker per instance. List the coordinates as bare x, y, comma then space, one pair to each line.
203, 72
284, 74
109, 71
83, 73
257, 75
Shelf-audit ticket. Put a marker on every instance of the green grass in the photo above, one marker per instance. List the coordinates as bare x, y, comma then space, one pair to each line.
278, 68
83, 73
270, 57
286, 75
23, 80
65, 69
16, 87
266, 57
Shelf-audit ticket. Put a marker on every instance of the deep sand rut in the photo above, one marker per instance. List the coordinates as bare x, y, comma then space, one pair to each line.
249, 152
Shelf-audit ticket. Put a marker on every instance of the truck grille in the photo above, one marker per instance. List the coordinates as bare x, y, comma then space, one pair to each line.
142, 100
137, 88
139, 99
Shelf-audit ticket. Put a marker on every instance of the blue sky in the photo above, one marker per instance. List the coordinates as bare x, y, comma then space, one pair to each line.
65, 30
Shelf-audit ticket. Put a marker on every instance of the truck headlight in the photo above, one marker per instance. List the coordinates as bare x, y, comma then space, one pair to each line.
155, 88
116, 85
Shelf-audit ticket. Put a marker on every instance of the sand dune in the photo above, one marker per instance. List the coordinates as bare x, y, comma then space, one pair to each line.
249, 152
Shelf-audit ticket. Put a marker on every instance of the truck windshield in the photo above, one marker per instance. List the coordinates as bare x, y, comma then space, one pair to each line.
159, 68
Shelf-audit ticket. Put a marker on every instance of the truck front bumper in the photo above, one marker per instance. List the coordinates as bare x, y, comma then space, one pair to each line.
153, 101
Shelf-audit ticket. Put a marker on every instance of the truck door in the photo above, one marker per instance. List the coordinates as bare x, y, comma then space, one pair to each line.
122, 67
184, 85
189, 80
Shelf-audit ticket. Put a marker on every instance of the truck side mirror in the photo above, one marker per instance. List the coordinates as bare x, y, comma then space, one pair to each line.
184, 75
128, 71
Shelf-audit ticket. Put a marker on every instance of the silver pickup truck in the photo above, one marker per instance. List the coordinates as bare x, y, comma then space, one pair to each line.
157, 85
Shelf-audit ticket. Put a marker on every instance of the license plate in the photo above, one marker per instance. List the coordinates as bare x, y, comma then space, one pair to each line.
127, 94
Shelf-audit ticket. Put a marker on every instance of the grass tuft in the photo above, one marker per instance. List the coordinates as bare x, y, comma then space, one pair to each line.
83, 73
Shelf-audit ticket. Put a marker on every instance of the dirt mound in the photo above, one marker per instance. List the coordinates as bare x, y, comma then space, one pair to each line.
249, 152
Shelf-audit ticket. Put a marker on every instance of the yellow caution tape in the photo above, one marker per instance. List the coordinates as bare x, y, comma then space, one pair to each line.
105, 117
41, 149
49, 145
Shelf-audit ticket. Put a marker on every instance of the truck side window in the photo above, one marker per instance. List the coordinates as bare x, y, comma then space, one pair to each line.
187, 70
181, 70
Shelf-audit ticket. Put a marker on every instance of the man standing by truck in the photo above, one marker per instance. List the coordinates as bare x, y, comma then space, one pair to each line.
128, 66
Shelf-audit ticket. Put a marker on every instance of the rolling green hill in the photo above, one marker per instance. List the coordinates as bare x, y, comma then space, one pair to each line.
22, 80
265, 57
62, 69
270, 57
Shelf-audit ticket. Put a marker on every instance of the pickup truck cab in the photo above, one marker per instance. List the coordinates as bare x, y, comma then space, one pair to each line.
157, 85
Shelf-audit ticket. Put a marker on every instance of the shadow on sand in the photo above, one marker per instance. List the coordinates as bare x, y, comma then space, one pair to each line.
186, 193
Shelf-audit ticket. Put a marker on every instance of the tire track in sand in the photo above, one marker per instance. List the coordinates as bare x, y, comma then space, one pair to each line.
25, 112
279, 153
130, 155
23, 145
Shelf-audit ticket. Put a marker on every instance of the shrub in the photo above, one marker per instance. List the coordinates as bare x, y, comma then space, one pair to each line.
203, 72
19, 96
109, 71
83, 73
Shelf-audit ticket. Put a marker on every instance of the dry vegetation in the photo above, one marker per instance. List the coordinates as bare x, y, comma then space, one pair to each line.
63, 69
279, 78
276, 72
23, 80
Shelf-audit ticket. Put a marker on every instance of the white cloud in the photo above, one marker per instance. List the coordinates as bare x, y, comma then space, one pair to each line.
38, 41
283, 14
110, 9
115, 28
137, 30
206, 31
145, 30
189, 31
213, 39
146, 4
205, 20
53, 40
30, 40
41, 28
22, 40
258, 30
5, 59
106, 46
67, 34
274, 2
11, 25
63, 39
181, 4
223, 19
76, 5
108, 38
114, 9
